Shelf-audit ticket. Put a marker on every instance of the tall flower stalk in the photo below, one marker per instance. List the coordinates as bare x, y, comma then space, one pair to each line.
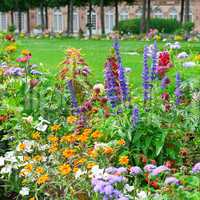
135, 116
178, 90
154, 61
73, 96
145, 76
122, 78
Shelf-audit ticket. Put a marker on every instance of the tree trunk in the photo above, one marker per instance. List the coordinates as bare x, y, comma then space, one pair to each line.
182, 11
116, 15
46, 18
68, 19
148, 14
12, 17
143, 19
102, 17
90, 19
42, 16
71, 16
19, 21
28, 21
187, 10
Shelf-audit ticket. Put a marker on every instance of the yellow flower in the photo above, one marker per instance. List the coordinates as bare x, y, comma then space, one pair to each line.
36, 136
108, 150
96, 134
28, 167
53, 148
197, 58
37, 158
22, 146
67, 153
55, 127
32, 198
68, 138
123, 160
90, 165
121, 142
26, 158
53, 139
75, 169
42, 179
80, 161
87, 131
71, 119
11, 48
64, 169
25, 52
39, 170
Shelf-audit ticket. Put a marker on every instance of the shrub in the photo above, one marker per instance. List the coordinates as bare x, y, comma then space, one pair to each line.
162, 25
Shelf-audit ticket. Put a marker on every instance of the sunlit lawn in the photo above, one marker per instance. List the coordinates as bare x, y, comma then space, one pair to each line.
50, 52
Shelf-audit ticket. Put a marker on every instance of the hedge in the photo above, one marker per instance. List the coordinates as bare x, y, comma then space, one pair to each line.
162, 25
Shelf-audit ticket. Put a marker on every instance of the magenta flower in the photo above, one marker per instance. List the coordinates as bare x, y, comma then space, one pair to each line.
149, 168
159, 170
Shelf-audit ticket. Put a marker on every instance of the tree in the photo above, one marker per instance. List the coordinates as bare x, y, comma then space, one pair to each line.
187, 10
148, 15
143, 20
182, 11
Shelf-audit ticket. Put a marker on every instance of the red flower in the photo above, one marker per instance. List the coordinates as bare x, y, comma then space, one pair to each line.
154, 184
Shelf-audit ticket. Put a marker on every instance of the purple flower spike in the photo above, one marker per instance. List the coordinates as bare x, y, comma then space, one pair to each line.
122, 78
165, 82
145, 76
135, 116
154, 61
178, 92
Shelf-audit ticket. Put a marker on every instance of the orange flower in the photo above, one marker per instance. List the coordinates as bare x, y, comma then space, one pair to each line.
53, 138
87, 131
92, 153
40, 170
36, 136
25, 52
42, 179
68, 138
11, 48
55, 127
83, 137
75, 169
32, 198
65, 169
26, 158
96, 134
53, 148
28, 167
123, 160
108, 150
90, 165
22, 146
67, 153
71, 119
121, 142
80, 161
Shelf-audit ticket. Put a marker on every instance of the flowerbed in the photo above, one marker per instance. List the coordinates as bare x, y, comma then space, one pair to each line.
72, 140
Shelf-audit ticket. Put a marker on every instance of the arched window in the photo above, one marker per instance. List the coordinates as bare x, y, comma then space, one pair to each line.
57, 21
157, 12
173, 13
3, 21
23, 21
38, 17
138, 13
93, 19
109, 21
76, 21
123, 15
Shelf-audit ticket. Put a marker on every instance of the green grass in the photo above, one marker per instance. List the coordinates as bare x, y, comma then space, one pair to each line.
50, 52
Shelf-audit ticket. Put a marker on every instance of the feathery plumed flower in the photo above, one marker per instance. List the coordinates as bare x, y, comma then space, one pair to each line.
159, 170
196, 168
135, 116
154, 61
145, 76
172, 181
122, 78
149, 168
73, 96
178, 90
135, 170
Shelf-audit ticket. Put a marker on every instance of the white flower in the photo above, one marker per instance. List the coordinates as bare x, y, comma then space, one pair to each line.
80, 173
43, 147
96, 171
128, 188
176, 45
28, 146
141, 195
182, 55
6, 170
28, 119
2, 161
196, 96
189, 64
10, 156
24, 191
100, 87
41, 127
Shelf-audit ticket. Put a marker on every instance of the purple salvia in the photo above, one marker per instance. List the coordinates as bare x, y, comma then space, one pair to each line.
110, 85
165, 81
122, 78
135, 116
73, 96
145, 76
154, 62
178, 92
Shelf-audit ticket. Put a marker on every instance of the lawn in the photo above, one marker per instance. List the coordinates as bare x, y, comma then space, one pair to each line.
51, 52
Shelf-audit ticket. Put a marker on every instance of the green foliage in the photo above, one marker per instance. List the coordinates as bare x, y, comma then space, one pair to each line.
132, 26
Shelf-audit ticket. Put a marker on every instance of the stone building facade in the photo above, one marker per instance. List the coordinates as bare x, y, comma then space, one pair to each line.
57, 17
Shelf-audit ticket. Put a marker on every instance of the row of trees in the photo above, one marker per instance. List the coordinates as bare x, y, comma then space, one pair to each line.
20, 6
